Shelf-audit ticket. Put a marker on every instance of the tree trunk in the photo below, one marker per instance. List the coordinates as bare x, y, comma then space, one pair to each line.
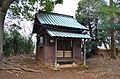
2, 16
113, 46
113, 49
105, 45
90, 28
4, 5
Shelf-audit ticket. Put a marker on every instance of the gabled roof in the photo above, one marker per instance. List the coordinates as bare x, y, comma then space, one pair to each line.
53, 33
58, 20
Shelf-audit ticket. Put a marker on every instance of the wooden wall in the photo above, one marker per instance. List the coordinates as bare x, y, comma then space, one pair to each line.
77, 51
40, 53
50, 55
47, 52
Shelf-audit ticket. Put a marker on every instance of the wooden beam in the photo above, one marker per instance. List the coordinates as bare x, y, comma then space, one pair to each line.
84, 63
55, 52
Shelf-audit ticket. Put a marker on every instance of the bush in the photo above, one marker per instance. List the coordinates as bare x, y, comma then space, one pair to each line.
91, 47
15, 43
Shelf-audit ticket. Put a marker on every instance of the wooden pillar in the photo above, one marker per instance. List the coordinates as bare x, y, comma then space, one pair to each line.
37, 48
84, 63
56, 53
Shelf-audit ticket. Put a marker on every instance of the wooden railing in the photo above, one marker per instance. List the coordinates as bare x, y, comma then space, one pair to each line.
64, 54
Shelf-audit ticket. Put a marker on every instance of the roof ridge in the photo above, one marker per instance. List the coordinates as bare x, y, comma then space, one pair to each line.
55, 13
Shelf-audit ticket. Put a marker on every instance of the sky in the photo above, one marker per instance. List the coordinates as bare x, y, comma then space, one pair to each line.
68, 7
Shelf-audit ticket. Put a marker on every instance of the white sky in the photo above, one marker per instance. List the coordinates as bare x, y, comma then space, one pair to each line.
68, 7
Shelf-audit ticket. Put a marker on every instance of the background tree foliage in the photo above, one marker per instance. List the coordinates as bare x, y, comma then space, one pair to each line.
27, 8
110, 23
14, 43
103, 21
87, 15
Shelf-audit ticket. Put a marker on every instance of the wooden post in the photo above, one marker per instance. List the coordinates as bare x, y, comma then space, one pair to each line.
84, 63
55, 53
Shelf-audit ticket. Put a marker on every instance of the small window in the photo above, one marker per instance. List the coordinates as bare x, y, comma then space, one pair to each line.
41, 41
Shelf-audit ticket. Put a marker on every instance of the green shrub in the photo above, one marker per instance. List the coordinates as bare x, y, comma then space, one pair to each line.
15, 43
91, 47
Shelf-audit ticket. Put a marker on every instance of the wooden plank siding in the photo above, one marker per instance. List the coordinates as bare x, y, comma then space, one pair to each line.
47, 52
77, 50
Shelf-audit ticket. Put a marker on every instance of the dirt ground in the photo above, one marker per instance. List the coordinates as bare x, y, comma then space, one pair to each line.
99, 67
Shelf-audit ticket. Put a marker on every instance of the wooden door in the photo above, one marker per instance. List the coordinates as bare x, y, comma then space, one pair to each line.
64, 48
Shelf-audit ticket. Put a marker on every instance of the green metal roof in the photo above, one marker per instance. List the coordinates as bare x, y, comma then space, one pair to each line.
67, 34
58, 20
